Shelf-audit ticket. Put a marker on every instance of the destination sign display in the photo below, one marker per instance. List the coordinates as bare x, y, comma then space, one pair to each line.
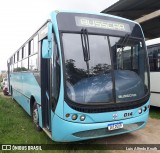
102, 24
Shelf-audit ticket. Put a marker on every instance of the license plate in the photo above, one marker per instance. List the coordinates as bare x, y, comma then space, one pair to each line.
115, 126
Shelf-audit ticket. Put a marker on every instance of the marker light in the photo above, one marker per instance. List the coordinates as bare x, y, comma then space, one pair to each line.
74, 116
67, 115
82, 117
140, 111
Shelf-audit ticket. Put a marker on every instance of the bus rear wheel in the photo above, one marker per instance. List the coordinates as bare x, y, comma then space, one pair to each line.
35, 117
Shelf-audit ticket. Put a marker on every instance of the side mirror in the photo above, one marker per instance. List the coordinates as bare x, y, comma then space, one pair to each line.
46, 51
47, 43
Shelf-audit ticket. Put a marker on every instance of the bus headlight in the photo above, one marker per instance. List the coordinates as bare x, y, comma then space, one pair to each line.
74, 116
140, 111
82, 117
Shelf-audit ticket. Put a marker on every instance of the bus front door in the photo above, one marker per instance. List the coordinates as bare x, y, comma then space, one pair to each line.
46, 92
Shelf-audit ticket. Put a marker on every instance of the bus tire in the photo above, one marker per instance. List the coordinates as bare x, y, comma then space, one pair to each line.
35, 117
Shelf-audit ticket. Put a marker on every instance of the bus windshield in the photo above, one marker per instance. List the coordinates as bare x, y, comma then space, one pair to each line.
115, 71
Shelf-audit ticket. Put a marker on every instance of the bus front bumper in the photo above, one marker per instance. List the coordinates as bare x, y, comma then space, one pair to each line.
65, 131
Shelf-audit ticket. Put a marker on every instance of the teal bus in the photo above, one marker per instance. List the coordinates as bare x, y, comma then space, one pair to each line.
83, 76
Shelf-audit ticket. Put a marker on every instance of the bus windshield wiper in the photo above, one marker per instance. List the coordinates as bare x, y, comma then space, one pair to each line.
125, 40
85, 46
121, 44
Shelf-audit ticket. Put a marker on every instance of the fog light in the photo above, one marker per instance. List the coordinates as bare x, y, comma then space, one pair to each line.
140, 111
82, 117
74, 116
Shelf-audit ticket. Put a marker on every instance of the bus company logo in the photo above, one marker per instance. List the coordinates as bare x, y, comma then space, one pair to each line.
102, 24
115, 116
6, 147
127, 96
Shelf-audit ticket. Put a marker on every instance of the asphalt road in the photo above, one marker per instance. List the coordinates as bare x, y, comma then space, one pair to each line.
149, 135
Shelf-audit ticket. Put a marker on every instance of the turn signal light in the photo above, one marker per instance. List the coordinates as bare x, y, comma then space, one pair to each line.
67, 115
145, 108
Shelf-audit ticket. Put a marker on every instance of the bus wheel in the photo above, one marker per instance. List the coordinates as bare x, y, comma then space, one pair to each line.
35, 117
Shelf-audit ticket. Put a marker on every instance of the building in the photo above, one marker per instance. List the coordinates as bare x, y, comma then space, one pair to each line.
146, 12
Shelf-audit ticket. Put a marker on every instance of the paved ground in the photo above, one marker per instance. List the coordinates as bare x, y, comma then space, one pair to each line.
149, 135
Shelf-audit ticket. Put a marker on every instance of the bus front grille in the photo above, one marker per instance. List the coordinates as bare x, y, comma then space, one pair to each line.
105, 132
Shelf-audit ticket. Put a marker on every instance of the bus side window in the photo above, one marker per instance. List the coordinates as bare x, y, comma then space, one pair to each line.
30, 51
33, 62
155, 60
158, 60
24, 65
56, 74
10, 64
150, 55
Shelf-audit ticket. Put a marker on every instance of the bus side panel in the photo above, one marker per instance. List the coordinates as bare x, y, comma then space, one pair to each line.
24, 85
16, 81
31, 87
155, 99
155, 89
22, 100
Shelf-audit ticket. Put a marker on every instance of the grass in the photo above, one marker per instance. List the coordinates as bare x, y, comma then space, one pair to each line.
154, 112
16, 127
0, 82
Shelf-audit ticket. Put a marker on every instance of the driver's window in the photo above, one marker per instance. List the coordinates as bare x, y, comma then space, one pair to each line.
56, 72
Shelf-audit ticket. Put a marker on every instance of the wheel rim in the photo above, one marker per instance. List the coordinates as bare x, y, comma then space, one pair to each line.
35, 116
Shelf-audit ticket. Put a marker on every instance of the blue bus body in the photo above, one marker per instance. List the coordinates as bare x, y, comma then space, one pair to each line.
85, 104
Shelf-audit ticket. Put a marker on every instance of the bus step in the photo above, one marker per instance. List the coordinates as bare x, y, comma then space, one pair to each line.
47, 132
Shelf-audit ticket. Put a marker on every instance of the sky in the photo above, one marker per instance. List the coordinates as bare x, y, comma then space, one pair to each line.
19, 19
